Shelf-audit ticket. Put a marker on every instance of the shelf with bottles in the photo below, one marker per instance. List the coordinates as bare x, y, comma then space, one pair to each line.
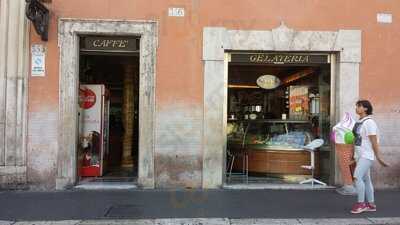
246, 103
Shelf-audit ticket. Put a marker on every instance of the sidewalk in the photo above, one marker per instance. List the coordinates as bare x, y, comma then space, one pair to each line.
231, 206
214, 221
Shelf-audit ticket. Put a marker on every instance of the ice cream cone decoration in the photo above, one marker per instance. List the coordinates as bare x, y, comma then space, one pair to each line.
345, 158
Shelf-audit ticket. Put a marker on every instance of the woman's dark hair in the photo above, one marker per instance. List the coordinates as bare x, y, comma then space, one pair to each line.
366, 104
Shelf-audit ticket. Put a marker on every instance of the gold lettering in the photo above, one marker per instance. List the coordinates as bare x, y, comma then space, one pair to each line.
267, 59
96, 43
300, 59
123, 43
104, 43
303, 59
287, 59
114, 43
260, 58
253, 58
264, 58
109, 43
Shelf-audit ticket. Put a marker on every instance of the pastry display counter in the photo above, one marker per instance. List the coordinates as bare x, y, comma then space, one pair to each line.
272, 146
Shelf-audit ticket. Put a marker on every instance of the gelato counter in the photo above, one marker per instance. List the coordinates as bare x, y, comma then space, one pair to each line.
272, 146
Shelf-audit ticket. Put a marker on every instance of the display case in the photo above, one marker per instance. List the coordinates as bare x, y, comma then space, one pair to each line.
272, 146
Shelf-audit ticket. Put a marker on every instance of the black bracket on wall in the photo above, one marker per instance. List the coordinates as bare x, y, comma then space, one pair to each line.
39, 15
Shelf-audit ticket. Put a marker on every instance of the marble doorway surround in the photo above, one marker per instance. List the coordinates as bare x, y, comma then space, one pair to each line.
69, 31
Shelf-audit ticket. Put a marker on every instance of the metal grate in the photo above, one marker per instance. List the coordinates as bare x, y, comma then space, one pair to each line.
124, 211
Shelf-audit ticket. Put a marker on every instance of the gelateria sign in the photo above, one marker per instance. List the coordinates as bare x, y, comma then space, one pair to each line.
124, 44
283, 58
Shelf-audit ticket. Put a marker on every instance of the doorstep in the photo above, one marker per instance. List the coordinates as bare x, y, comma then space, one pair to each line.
106, 186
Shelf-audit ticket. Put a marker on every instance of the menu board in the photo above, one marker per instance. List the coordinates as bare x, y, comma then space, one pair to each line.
298, 103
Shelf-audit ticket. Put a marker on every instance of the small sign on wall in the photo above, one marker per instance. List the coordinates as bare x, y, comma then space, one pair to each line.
384, 18
38, 62
176, 12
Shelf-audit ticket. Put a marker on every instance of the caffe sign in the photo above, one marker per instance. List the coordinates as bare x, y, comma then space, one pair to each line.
111, 43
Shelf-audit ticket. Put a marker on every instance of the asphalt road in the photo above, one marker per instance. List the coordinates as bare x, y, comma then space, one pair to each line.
151, 204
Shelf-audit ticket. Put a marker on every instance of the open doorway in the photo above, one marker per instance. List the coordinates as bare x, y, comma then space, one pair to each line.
108, 147
277, 103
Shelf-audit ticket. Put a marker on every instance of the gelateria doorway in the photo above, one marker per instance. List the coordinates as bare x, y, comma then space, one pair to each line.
277, 103
108, 147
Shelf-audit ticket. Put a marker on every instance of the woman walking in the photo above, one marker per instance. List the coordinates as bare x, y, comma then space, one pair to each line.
366, 150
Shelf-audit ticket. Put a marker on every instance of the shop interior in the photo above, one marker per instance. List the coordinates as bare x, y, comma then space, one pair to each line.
109, 117
272, 112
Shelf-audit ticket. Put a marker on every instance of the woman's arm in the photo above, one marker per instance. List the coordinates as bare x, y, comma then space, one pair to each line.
375, 147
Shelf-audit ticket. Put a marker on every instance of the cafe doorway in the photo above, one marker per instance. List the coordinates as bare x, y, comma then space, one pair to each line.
108, 118
276, 104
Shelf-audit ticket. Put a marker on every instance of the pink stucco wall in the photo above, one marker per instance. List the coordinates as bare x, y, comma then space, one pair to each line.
179, 69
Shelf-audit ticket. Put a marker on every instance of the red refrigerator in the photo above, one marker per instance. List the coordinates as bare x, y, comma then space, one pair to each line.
94, 106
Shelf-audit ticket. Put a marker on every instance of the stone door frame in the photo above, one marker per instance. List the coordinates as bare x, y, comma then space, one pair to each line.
344, 45
68, 42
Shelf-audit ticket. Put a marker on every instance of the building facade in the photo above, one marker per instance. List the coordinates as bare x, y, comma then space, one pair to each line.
186, 57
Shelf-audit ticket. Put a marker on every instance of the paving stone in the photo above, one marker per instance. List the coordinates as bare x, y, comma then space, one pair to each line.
264, 221
217, 221
117, 222
335, 221
195, 221
3, 222
61, 222
386, 220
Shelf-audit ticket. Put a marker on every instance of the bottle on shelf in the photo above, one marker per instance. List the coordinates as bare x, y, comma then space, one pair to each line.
253, 113
246, 112
314, 103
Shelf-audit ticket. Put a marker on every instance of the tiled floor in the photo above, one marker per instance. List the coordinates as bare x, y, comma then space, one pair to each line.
121, 172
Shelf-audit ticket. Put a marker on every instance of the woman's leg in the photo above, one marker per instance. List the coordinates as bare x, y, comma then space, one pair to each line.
362, 168
369, 188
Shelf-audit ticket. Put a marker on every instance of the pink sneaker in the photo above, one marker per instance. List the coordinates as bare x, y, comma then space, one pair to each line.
359, 208
371, 207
